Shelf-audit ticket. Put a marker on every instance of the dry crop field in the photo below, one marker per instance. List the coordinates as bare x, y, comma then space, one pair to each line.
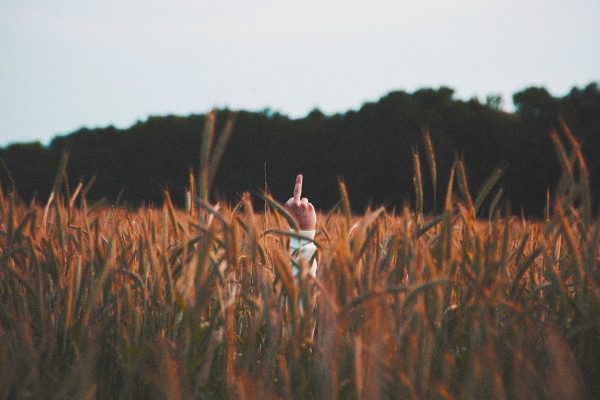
104, 302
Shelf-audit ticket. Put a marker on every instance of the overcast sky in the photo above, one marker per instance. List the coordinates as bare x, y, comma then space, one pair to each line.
66, 64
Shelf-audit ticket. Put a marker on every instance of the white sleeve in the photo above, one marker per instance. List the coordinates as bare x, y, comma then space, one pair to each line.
303, 249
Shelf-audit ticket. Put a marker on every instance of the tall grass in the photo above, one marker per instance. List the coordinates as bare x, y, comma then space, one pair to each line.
105, 302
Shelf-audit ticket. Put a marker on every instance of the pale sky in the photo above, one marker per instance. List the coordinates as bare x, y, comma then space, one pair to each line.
67, 64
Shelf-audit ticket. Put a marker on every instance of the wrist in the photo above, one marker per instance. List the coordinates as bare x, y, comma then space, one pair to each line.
305, 233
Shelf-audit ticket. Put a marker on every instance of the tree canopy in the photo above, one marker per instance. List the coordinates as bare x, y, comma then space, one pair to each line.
369, 148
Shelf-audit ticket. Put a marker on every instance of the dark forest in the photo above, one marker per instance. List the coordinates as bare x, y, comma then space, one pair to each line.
370, 149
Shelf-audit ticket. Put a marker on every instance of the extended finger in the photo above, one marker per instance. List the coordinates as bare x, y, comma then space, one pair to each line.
298, 188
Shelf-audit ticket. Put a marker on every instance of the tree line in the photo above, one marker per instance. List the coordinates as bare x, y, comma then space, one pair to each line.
370, 149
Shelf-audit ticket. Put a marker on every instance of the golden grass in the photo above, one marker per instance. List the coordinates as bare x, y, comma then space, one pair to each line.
104, 302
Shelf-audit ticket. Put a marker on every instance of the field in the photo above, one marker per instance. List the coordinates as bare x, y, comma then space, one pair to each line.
105, 302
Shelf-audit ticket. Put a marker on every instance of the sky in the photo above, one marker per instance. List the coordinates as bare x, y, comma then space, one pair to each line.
66, 64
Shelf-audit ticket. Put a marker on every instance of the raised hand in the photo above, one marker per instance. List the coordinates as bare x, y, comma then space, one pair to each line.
301, 209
